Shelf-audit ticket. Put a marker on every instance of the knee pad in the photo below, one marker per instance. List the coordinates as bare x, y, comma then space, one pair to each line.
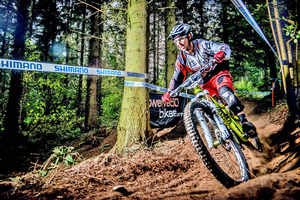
231, 100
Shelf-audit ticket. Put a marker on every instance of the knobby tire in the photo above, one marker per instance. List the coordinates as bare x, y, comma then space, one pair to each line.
191, 123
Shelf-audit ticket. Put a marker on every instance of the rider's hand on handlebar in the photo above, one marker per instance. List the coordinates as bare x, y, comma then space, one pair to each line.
219, 56
166, 97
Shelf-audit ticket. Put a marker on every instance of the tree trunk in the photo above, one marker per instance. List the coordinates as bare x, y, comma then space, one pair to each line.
32, 17
92, 107
134, 123
4, 29
2, 53
157, 44
4, 44
15, 91
297, 86
285, 51
154, 43
170, 47
81, 59
48, 12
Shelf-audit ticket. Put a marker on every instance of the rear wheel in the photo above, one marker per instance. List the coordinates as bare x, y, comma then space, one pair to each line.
224, 159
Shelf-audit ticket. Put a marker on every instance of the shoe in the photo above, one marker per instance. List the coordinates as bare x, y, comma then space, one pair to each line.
249, 129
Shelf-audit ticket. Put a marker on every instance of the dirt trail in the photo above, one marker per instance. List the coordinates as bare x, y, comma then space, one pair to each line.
168, 170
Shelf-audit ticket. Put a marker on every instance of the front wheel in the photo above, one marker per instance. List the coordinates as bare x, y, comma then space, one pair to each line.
224, 159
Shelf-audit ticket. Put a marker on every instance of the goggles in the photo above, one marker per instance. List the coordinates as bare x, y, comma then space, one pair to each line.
178, 39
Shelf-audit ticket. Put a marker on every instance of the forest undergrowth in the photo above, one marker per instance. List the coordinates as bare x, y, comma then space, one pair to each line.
168, 169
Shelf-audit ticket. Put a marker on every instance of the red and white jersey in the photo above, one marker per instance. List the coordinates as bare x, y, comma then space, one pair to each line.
200, 59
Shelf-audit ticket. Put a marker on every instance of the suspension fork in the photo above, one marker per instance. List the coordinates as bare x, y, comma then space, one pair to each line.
203, 124
225, 134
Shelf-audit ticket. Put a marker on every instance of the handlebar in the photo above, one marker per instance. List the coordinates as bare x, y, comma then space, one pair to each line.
191, 82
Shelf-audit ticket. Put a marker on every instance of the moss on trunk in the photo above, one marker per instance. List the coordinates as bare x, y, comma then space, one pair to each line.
134, 119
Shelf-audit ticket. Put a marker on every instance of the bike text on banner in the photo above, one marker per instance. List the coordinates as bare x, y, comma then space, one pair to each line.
164, 115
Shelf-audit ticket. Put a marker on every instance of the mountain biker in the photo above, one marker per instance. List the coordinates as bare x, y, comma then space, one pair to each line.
196, 55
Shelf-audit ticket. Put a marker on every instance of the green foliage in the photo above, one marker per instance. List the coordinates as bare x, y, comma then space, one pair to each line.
5, 78
161, 77
49, 104
244, 84
292, 31
31, 51
64, 154
255, 74
252, 82
112, 89
42, 172
56, 120
61, 154
251, 57
113, 43
113, 49
246, 88
61, 124
111, 110
111, 101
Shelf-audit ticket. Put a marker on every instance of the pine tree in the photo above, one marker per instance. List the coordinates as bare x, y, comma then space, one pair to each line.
170, 47
134, 120
93, 82
12, 136
16, 87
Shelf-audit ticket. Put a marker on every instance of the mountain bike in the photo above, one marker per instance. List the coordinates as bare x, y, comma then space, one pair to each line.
216, 134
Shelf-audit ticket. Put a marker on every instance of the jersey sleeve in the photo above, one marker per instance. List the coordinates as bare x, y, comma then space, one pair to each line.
213, 47
179, 74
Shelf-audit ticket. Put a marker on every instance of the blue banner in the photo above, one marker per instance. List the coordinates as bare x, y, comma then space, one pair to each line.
49, 67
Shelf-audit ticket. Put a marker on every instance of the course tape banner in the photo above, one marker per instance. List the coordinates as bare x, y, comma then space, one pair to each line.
49, 67
153, 87
245, 12
185, 95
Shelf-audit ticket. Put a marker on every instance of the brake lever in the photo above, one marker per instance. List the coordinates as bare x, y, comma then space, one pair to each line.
175, 93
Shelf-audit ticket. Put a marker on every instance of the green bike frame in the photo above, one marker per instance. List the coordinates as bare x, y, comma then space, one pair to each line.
231, 121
